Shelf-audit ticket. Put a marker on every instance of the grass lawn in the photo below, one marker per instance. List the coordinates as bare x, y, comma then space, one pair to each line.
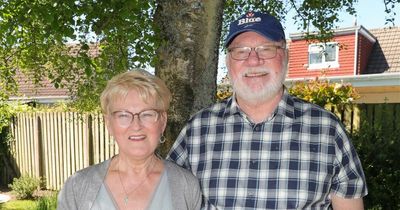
43, 200
19, 205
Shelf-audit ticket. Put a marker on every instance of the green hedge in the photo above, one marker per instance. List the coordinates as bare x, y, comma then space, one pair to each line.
378, 146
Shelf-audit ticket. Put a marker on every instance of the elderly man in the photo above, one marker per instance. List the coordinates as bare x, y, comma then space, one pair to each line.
263, 148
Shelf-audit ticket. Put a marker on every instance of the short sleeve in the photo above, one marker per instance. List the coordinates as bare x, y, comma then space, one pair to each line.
349, 179
178, 152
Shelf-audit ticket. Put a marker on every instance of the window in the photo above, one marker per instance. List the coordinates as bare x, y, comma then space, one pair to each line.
323, 55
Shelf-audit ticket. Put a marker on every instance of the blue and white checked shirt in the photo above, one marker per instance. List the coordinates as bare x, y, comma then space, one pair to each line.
293, 160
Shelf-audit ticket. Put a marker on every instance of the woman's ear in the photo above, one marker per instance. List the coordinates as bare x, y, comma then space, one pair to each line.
164, 118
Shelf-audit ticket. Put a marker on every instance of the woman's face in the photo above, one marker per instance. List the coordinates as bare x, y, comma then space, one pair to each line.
135, 125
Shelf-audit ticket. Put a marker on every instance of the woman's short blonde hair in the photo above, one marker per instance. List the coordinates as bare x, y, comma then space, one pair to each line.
148, 86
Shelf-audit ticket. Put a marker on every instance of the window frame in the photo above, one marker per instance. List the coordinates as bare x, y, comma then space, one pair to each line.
323, 64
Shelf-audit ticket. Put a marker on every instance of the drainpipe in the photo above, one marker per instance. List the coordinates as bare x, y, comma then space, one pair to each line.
356, 50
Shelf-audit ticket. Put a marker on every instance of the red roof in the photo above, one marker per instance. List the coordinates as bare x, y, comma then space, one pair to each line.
45, 90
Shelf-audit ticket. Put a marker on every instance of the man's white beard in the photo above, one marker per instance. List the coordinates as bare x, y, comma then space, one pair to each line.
263, 92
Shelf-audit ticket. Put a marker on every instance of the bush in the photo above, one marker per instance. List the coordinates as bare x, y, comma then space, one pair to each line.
379, 152
224, 91
48, 202
322, 92
25, 186
5, 115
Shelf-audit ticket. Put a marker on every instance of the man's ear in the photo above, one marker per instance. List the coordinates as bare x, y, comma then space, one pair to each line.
227, 64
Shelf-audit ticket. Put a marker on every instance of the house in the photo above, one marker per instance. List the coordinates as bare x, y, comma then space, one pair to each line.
45, 92
368, 59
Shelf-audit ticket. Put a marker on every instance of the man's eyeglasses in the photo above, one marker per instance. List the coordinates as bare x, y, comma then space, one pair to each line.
146, 117
263, 52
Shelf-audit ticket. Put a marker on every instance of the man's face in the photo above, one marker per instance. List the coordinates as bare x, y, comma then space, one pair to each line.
255, 79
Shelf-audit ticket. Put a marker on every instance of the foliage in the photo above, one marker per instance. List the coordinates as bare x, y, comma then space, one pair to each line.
71, 106
5, 115
390, 10
5, 139
322, 92
310, 16
7, 110
48, 202
223, 92
81, 44
25, 186
318, 15
378, 146
74, 44
224, 89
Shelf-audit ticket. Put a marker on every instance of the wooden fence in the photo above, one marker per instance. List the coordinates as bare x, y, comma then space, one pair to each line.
55, 145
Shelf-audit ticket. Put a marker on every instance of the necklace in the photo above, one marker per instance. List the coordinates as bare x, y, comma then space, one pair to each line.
126, 198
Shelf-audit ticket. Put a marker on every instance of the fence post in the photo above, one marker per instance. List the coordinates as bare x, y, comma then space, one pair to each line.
39, 137
90, 138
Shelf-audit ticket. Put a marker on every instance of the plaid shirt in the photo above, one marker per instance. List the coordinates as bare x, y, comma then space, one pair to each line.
293, 160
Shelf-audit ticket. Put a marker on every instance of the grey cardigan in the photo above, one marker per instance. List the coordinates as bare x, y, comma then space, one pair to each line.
80, 190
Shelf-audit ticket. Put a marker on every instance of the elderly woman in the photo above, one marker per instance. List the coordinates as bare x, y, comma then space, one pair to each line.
135, 107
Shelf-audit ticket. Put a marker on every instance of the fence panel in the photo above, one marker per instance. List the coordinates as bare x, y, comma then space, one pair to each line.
54, 145
26, 147
104, 146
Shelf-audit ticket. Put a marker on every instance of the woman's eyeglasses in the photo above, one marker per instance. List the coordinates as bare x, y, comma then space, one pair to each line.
145, 117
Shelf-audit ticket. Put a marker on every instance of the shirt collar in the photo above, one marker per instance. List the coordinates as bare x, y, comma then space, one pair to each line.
286, 105
232, 107
284, 108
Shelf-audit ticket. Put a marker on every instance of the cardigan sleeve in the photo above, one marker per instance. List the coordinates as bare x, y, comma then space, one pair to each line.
80, 190
184, 186
66, 197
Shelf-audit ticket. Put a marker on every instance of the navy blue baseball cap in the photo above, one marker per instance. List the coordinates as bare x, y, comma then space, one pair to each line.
262, 23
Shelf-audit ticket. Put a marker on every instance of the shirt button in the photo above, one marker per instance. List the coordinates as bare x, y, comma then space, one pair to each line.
257, 128
254, 164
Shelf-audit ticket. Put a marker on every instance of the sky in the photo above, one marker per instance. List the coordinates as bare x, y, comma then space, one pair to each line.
370, 14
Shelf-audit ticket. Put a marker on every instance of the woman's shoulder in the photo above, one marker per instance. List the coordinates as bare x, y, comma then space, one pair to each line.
177, 171
90, 172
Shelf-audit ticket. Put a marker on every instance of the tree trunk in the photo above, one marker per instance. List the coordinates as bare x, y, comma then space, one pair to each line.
188, 57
